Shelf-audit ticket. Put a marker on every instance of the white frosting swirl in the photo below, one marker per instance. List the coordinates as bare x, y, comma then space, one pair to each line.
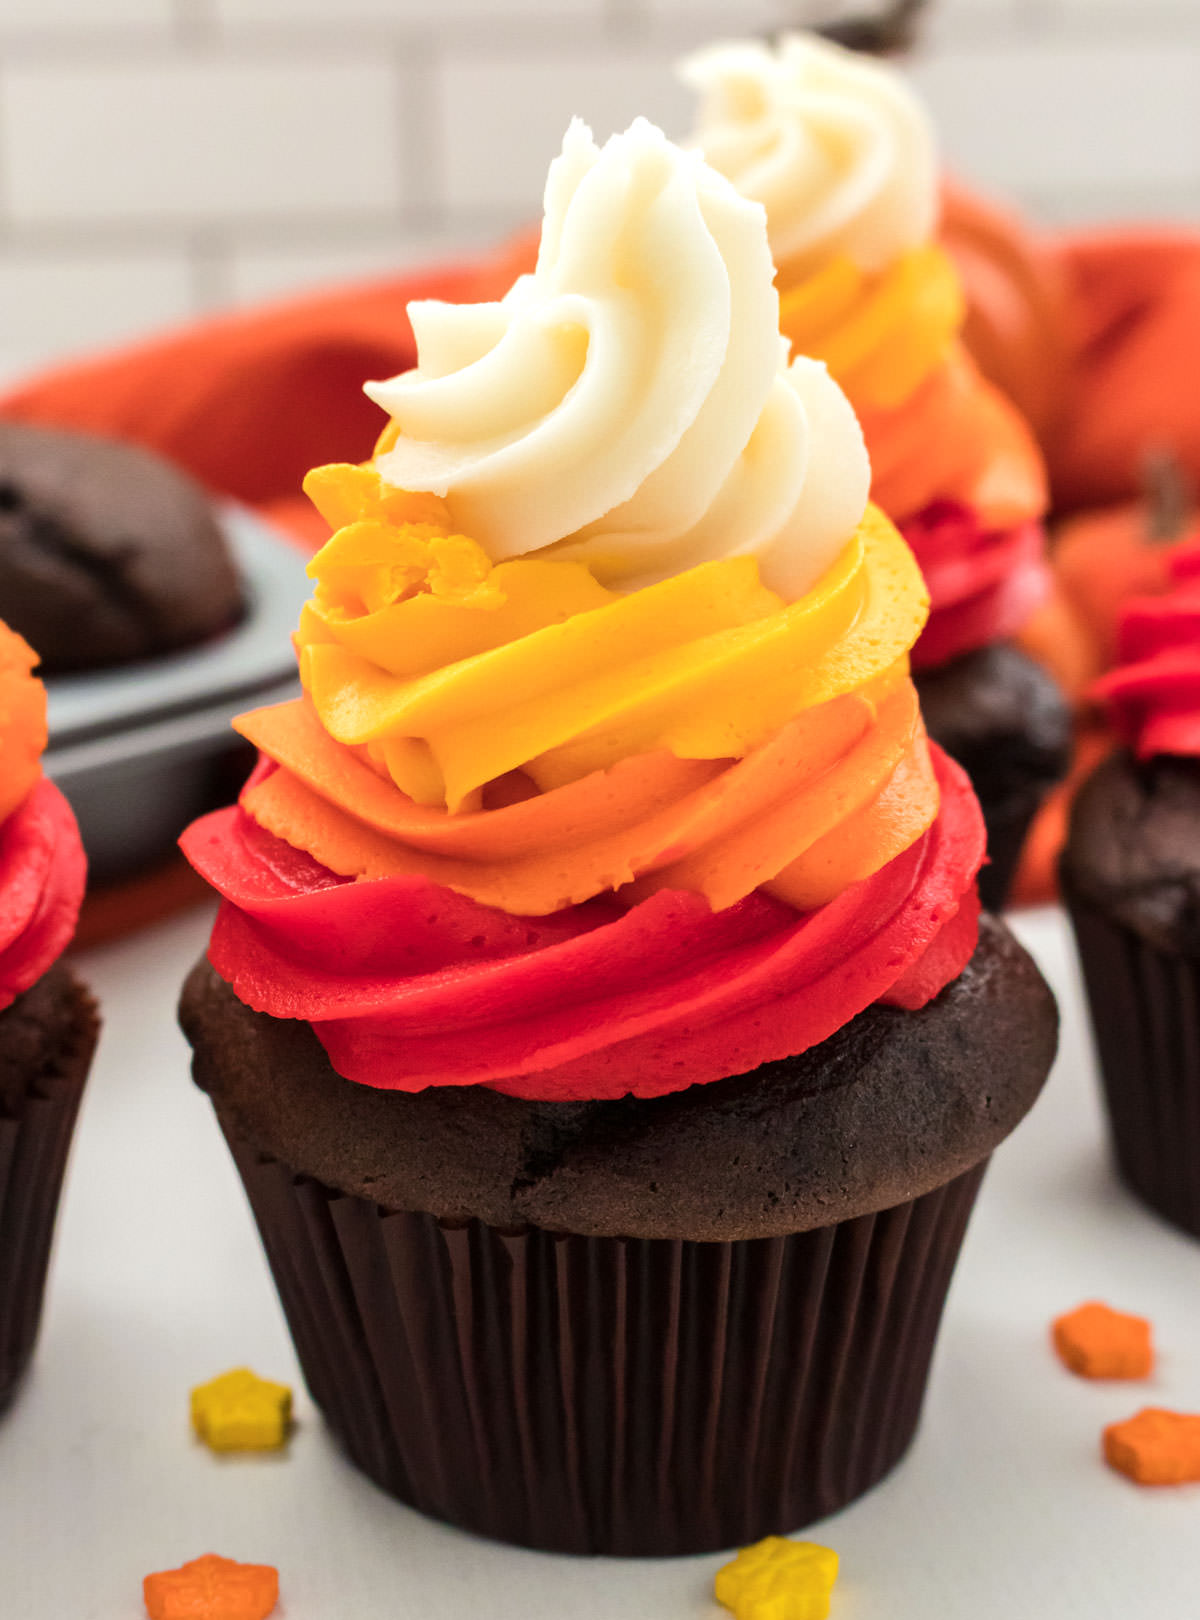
630, 402
836, 147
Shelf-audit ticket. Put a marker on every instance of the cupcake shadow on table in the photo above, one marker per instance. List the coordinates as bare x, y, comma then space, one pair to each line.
599, 1011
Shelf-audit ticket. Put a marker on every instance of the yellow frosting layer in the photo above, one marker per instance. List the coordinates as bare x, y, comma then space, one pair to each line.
879, 333
451, 673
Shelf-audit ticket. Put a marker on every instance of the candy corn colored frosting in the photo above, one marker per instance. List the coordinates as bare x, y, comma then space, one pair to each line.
841, 154
42, 866
609, 774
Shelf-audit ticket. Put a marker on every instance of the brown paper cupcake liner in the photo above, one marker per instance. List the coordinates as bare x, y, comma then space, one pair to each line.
35, 1137
1145, 1010
604, 1395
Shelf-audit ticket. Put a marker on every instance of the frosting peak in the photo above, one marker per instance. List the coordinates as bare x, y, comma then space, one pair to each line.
836, 148
629, 403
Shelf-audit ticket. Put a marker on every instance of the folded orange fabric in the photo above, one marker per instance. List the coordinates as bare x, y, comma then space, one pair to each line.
1096, 337
248, 402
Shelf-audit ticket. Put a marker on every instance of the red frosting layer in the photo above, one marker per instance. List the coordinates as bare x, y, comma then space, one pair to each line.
42, 872
409, 985
984, 584
1154, 693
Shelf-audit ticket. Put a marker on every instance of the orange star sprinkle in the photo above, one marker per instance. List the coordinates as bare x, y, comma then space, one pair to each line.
212, 1588
1157, 1447
1097, 1342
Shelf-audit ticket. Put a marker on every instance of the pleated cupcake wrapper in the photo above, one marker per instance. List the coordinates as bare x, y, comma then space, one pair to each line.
34, 1144
605, 1395
1145, 1008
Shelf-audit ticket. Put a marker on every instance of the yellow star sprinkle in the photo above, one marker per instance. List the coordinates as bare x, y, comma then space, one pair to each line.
241, 1412
777, 1579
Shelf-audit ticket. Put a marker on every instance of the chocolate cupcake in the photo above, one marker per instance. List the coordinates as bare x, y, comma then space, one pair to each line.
599, 1012
1130, 874
48, 1021
1004, 720
841, 154
678, 1306
108, 555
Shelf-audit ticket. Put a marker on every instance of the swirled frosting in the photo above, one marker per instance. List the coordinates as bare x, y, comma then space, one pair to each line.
42, 866
578, 808
841, 154
629, 403
1153, 695
836, 147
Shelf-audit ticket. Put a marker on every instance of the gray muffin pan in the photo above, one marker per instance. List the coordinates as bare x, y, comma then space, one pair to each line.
142, 750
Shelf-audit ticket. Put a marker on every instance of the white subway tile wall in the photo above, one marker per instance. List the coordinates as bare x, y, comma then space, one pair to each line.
160, 158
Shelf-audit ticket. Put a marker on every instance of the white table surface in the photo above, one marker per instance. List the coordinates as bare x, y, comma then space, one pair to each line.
1001, 1511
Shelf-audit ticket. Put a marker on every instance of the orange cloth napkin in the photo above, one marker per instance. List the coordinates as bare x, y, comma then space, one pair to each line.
248, 402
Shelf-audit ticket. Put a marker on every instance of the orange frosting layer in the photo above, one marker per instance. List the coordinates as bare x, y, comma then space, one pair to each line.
955, 438
879, 333
22, 720
829, 799
701, 734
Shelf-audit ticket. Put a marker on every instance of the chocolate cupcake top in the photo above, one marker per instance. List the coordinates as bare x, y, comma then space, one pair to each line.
895, 1103
1002, 718
1133, 847
108, 554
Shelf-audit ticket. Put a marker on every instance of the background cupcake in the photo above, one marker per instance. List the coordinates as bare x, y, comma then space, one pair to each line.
108, 554
48, 1022
1131, 878
599, 1011
841, 154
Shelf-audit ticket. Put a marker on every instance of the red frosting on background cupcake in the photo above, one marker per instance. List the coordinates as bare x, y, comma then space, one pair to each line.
1153, 695
984, 583
42, 866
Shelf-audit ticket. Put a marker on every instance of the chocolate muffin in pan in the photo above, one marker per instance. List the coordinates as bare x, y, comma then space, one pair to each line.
842, 154
599, 1010
1130, 875
48, 1022
108, 554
